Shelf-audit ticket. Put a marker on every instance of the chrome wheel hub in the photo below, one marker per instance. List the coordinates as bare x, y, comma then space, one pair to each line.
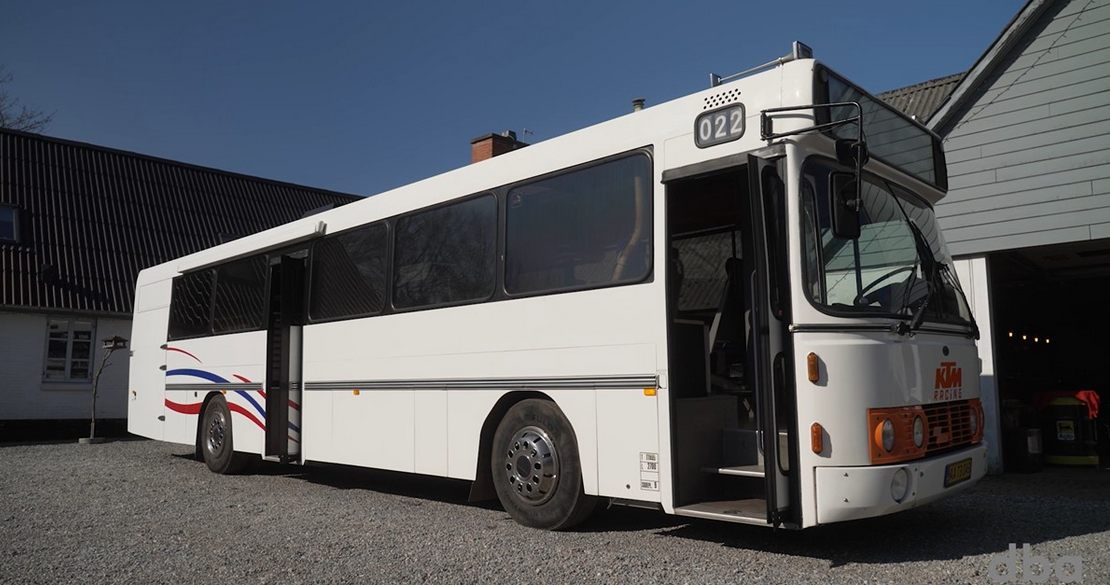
217, 429
532, 466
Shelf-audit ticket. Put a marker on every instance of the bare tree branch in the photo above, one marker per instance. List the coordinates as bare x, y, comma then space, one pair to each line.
17, 116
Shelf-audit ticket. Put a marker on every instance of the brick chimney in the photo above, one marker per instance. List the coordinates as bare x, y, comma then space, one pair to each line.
491, 145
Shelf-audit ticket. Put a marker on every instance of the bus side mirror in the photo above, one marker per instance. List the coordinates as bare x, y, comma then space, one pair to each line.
851, 153
847, 192
844, 204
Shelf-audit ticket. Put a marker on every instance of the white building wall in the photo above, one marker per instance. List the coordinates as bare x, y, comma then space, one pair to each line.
23, 393
974, 278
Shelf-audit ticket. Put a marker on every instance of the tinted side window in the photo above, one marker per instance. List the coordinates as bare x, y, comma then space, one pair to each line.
446, 255
240, 295
348, 274
703, 261
582, 229
191, 305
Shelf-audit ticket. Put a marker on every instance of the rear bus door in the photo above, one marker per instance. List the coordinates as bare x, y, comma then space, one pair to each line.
285, 320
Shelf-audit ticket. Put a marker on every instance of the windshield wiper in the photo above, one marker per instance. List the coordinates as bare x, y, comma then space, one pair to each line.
929, 266
938, 275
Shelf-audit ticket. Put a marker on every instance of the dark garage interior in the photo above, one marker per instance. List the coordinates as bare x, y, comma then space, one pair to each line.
1051, 308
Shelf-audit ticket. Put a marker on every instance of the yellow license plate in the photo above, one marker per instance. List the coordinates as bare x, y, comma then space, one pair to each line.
956, 472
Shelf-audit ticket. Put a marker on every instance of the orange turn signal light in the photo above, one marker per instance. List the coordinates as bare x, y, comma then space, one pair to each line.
813, 365
817, 437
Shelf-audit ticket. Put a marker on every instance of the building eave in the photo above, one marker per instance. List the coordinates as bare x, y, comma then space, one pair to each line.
995, 54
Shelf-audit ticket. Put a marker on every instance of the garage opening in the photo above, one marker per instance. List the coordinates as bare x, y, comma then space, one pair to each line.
1051, 308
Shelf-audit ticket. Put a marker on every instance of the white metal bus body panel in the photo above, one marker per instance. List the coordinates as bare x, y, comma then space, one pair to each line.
233, 365
146, 375
628, 455
459, 361
374, 428
851, 493
431, 441
862, 370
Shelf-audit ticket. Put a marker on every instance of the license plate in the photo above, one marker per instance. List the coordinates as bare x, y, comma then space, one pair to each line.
956, 472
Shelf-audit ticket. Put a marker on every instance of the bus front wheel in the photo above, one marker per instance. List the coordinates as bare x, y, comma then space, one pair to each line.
216, 442
536, 469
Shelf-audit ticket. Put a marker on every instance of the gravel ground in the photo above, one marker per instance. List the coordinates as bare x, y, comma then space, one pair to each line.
146, 512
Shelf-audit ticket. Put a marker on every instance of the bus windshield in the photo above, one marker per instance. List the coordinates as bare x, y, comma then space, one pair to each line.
899, 266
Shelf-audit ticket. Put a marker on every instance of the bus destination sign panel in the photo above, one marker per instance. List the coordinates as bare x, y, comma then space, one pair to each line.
719, 126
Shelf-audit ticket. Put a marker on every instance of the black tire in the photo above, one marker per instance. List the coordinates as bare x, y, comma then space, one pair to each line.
216, 442
536, 469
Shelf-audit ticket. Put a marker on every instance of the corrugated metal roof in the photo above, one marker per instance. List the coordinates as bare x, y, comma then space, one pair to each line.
923, 99
92, 217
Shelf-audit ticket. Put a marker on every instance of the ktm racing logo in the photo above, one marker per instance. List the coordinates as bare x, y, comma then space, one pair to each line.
949, 382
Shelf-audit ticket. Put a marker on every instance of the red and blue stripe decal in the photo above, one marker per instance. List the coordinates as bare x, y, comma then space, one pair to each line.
194, 408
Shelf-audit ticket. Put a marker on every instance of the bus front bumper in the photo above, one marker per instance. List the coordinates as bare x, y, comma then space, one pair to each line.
850, 493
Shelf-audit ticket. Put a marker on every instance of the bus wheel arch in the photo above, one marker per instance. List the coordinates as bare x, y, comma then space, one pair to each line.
535, 466
482, 489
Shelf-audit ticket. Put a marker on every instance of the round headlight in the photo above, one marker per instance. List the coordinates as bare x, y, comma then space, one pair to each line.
899, 485
974, 421
888, 435
918, 431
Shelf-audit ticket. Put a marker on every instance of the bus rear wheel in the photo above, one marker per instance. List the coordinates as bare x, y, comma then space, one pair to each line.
536, 469
217, 444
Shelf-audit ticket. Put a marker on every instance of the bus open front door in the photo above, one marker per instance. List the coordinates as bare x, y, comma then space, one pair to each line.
729, 365
286, 315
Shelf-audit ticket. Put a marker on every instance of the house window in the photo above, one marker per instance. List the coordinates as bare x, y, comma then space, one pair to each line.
69, 349
9, 224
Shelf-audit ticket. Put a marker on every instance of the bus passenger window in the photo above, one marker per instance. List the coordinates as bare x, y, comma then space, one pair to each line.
445, 255
348, 274
582, 229
240, 297
191, 305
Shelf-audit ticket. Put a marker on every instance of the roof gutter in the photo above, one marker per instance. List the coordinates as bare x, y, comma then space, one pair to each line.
264, 241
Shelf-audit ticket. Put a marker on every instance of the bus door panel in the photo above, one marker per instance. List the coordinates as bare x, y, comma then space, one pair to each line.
285, 316
769, 354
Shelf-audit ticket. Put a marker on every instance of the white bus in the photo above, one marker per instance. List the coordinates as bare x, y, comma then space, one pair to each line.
735, 305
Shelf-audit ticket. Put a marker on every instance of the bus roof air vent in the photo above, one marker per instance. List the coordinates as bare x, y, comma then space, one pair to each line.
720, 99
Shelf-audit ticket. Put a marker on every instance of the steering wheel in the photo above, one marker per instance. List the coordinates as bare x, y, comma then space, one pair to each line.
862, 296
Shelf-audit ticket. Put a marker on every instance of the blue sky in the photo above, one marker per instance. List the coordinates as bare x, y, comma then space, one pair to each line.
361, 97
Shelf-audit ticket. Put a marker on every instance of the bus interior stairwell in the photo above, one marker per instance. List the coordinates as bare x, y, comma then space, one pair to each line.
717, 441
